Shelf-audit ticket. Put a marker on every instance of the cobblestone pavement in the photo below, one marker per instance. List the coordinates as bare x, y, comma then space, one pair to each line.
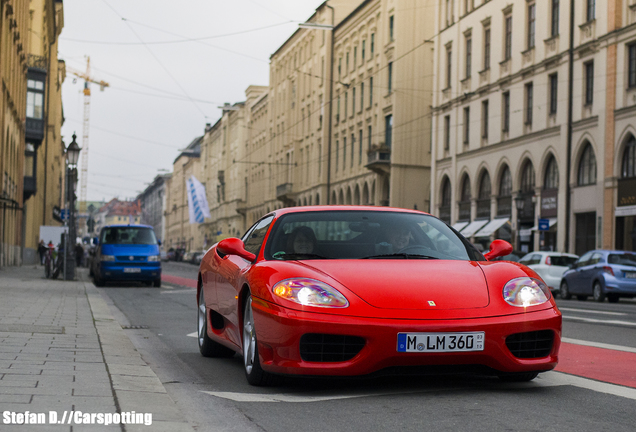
61, 350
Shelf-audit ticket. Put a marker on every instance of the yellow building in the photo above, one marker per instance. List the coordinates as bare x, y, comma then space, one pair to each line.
180, 234
14, 31
44, 162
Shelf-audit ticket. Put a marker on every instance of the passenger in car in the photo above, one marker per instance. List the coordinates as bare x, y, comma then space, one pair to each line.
302, 240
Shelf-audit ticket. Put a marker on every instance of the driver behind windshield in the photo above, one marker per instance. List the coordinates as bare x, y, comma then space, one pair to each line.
302, 240
398, 237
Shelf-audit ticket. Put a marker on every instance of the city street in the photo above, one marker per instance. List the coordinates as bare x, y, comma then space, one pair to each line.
594, 387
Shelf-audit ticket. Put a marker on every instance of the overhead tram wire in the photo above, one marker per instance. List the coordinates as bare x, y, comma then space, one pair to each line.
127, 136
158, 61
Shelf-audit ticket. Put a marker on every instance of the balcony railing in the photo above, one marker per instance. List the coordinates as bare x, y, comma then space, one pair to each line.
284, 193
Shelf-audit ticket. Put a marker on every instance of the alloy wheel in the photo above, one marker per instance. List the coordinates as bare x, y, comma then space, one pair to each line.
249, 337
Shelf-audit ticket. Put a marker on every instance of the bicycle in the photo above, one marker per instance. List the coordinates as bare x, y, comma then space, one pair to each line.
52, 266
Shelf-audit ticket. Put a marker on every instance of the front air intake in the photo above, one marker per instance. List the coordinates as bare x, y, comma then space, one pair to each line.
317, 347
528, 345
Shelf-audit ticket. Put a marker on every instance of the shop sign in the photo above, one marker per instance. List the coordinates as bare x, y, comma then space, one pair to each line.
549, 203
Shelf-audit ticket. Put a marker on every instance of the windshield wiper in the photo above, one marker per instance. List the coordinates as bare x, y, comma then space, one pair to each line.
295, 256
402, 255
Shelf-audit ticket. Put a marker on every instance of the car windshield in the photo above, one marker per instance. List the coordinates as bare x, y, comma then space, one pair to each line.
563, 261
128, 235
622, 259
365, 235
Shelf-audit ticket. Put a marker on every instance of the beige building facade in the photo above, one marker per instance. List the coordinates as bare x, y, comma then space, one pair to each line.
524, 131
14, 36
44, 164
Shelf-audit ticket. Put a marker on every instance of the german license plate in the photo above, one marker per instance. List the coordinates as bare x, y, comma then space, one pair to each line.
630, 275
441, 342
132, 270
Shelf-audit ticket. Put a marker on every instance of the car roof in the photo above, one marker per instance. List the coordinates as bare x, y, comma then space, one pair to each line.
305, 209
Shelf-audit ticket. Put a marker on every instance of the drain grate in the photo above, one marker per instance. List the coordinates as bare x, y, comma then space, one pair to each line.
135, 327
28, 328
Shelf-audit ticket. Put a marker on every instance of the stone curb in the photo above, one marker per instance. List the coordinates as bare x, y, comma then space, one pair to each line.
135, 385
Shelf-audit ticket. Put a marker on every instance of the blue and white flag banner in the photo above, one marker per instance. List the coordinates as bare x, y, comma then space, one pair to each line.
197, 201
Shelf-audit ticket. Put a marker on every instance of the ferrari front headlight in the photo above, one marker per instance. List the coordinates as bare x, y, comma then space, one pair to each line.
526, 291
310, 292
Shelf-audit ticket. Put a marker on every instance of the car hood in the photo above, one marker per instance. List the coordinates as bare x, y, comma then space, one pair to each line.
410, 284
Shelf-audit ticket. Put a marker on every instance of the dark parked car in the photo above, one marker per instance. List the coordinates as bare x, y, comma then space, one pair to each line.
601, 274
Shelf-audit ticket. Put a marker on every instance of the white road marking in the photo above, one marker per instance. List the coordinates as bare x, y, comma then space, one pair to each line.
591, 320
599, 345
182, 291
547, 379
193, 334
591, 311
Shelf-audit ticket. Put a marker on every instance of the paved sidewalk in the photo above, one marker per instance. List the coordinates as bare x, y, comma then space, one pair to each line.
61, 350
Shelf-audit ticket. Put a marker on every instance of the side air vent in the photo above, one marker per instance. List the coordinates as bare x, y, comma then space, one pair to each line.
317, 347
528, 345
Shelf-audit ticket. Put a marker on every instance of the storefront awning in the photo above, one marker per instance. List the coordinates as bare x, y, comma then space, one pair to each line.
459, 225
625, 211
473, 227
552, 223
491, 227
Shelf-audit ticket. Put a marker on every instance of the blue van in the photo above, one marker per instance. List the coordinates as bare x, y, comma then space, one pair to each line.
127, 253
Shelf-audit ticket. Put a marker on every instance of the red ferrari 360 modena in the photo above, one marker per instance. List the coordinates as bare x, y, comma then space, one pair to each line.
343, 291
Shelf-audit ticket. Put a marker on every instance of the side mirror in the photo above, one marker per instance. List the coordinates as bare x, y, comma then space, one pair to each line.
498, 248
234, 246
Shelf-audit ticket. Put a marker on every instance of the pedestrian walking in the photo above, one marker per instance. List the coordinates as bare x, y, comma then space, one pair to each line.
42, 251
79, 254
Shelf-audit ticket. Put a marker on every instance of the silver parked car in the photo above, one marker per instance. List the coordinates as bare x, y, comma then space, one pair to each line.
550, 266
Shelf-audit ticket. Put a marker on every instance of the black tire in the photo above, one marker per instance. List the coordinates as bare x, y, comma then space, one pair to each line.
156, 283
564, 292
613, 298
255, 375
208, 347
518, 377
581, 297
598, 293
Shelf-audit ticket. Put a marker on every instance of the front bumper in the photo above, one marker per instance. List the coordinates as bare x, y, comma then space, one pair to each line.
119, 272
279, 331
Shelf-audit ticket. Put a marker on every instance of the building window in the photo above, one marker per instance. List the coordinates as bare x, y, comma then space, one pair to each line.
388, 130
347, 64
469, 5
484, 119
469, 55
631, 69
371, 91
445, 207
391, 23
553, 93
353, 102
589, 83
487, 48
339, 68
360, 147
449, 64
364, 50
372, 44
587, 167
551, 180
591, 10
629, 159
35, 99
344, 153
504, 200
466, 125
337, 154
506, 112
508, 37
464, 202
527, 178
353, 148
554, 28
483, 200
447, 132
529, 101
355, 56
369, 137
390, 78
361, 96
531, 24
346, 105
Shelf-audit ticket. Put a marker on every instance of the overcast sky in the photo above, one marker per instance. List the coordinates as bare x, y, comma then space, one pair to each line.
170, 65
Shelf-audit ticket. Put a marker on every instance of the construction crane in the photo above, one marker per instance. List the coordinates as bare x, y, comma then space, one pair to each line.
86, 76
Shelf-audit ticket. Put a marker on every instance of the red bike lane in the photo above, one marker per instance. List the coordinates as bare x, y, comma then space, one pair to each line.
601, 364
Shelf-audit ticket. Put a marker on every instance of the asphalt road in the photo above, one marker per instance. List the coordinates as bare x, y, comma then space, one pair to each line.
594, 388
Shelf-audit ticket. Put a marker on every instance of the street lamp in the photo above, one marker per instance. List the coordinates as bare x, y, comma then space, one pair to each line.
520, 202
72, 157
